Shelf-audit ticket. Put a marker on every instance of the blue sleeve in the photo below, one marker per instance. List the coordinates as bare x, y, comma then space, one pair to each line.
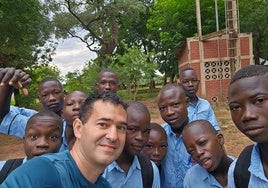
187, 180
156, 182
231, 183
212, 119
38, 172
15, 121
23, 111
2, 163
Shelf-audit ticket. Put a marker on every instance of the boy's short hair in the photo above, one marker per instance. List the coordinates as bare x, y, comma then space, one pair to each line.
47, 79
159, 128
110, 71
204, 123
42, 114
87, 107
186, 69
139, 107
249, 71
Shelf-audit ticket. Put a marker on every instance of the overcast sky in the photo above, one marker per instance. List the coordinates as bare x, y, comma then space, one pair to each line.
71, 55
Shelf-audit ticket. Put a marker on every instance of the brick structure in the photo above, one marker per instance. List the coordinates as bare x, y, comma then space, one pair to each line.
211, 60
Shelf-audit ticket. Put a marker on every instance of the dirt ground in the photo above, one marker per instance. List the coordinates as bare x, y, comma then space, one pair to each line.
11, 147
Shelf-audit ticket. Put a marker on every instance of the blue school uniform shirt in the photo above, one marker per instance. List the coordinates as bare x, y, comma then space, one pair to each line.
197, 175
117, 177
202, 110
257, 177
51, 170
14, 122
176, 162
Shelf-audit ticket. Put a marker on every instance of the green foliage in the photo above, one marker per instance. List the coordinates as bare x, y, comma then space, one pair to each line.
72, 81
84, 81
24, 31
172, 21
142, 94
96, 23
254, 18
133, 67
224, 121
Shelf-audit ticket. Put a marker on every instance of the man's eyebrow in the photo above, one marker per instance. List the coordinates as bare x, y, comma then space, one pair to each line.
105, 119
109, 119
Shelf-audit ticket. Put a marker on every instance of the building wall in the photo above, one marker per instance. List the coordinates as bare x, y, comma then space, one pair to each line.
211, 61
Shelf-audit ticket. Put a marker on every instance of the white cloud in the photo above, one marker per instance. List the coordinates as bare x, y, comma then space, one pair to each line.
71, 55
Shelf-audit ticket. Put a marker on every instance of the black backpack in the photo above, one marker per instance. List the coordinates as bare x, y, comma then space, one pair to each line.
8, 167
241, 173
147, 172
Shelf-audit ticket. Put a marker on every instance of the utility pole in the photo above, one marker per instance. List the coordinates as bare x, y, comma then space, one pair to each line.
198, 19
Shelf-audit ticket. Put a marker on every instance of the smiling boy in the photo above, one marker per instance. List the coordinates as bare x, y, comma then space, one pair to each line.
172, 104
127, 170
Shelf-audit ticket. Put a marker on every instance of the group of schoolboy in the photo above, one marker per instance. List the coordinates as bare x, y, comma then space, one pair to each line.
106, 142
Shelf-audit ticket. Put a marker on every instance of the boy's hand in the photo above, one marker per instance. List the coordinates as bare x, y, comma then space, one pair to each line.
15, 77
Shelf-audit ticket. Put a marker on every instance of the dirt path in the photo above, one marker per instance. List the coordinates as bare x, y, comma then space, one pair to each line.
11, 147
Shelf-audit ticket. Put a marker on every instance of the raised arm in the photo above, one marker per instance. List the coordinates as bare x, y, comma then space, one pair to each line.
10, 78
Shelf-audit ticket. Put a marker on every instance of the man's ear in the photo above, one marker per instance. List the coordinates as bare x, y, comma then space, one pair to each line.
220, 138
77, 127
187, 100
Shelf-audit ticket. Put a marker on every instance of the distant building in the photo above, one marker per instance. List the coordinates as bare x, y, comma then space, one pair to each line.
215, 60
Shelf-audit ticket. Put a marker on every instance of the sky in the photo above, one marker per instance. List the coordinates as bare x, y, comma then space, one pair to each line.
71, 55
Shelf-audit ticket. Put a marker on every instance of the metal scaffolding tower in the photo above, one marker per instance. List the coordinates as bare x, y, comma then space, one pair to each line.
232, 31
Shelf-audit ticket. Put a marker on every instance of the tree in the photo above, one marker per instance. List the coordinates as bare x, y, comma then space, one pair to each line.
172, 21
134, 30
84, 81
24, 31
133, 68
96, 23
254, 18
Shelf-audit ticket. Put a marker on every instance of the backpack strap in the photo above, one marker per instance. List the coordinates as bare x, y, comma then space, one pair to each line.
241, 173
8, 167
9, 126
147, 171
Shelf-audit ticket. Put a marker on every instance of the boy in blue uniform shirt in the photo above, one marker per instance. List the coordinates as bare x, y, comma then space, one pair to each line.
126, 170
172, 104
156, 147
248, 103
198, 108
206, 146
42, 135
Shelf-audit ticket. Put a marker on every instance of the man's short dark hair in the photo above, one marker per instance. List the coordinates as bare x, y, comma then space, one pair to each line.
87, 107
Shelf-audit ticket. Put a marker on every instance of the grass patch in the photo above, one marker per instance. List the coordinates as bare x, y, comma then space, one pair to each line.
142, 94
